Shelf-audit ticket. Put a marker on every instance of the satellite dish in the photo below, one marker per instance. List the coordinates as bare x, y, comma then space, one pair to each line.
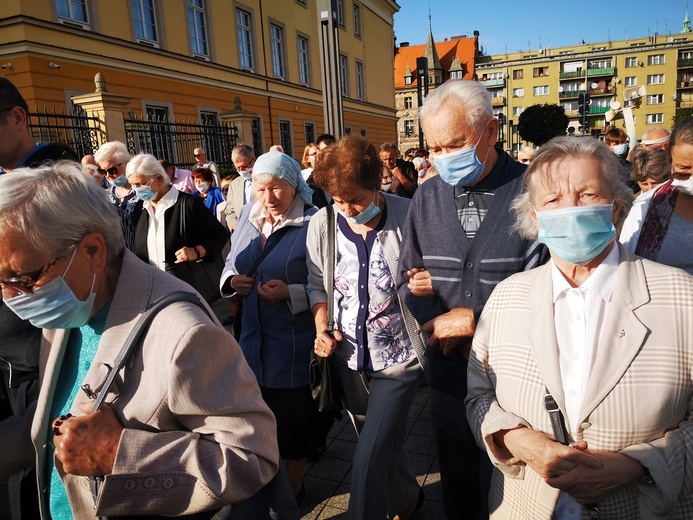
610, 115
615, 105
593, 85
673, 97
560, 89
617, 80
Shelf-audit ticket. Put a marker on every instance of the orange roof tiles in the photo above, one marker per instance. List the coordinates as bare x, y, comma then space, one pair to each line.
461, 48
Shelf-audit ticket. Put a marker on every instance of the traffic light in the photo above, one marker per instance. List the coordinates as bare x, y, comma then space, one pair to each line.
584, 103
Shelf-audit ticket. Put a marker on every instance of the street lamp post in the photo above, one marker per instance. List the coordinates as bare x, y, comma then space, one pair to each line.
421, 89
333, 110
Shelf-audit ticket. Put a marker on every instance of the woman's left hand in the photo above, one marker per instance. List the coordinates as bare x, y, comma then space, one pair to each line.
186, 254
273, 291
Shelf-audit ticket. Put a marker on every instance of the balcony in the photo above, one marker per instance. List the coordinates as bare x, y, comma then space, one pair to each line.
498, 101
688, 62
568, 75
609, 91
685, 104
598, 110
601, 72
570, 94
493, 82
572, 113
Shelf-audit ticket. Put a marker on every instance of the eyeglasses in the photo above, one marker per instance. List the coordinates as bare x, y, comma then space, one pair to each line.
313, 154
24, 283
113, 170
198, 155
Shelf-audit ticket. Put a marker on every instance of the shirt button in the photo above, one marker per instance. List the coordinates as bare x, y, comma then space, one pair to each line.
470, 219
571, 510
129, 484
577, 357
470, 265
362, 287
585, 425
359, 327
168, 483
468, 294
471, 203
578, 317
363, 265
573, 393
149, 482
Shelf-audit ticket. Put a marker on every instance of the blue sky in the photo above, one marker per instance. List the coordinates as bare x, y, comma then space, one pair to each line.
521, 25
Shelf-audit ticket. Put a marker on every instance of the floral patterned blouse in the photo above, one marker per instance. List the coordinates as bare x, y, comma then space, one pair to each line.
367, 309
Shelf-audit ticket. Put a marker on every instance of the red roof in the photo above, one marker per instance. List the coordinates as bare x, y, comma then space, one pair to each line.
460, 48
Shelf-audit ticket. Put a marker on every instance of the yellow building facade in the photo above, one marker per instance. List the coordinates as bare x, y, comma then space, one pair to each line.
198, 59
663, 65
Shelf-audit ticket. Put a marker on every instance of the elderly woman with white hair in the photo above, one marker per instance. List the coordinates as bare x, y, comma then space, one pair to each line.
277, 324
176, 232
112, 158
183, 429
580, 382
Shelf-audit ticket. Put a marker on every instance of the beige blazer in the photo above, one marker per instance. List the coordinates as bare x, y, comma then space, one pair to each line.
638, 400
235, 200
197, 433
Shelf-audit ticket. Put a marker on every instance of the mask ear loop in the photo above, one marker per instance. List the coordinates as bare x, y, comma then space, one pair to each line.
93, 279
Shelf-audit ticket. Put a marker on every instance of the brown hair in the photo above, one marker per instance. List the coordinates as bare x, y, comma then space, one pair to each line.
615, 136
353, 161
650, 164
203, 173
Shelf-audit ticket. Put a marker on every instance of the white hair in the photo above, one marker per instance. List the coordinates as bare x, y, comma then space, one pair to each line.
471, 96
419, 162
147, 165
113, 151
55, 206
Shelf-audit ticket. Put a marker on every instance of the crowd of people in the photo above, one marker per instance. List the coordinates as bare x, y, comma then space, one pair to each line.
547, 301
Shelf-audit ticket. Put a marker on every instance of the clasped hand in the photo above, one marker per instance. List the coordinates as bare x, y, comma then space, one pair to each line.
87, 445
452, 332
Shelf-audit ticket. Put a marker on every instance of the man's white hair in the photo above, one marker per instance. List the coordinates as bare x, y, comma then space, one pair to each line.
471, 96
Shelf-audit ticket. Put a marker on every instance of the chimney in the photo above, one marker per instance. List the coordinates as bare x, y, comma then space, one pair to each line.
404, 44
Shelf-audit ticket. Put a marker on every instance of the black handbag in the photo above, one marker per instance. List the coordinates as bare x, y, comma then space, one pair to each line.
325, 383
202, 274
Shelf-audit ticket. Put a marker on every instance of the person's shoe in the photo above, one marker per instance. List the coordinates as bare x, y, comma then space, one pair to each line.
413, 509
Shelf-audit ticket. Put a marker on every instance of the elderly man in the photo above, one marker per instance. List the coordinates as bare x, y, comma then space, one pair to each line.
241, 188
180, 178
457, 245
179, 433
201, 162
654, 138
404, 175
526, 154
592, 350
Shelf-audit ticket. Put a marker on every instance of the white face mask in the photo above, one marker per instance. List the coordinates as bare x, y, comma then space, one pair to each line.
203, 187
685, 186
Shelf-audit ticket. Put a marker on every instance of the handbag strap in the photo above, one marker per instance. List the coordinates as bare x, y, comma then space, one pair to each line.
331, 232
183, 219
272, 241
560, 433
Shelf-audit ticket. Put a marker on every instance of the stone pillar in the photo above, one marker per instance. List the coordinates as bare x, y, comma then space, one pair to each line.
108, 108
243, 119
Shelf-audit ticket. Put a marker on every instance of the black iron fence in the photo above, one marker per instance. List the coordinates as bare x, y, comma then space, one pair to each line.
175, 141
77, 130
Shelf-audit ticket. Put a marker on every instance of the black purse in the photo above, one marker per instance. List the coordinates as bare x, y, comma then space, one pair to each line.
202, 274
325, 382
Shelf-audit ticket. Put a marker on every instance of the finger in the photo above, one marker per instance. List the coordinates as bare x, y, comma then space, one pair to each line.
86, 407
583, 457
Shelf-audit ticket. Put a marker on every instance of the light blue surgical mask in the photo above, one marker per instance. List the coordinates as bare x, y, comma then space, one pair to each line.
461, 168
620, 149
118, 182
366, 215
145, 193
54, 305
577, 234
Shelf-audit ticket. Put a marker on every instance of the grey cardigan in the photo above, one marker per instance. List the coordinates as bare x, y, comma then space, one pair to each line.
390, 237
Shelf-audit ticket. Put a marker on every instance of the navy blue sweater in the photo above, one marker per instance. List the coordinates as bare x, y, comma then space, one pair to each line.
464, 272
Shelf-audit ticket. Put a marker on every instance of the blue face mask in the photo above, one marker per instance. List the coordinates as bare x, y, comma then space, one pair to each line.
462, 167
366, 215
119, 182
620, 149
577, 234
54, 305
145, 193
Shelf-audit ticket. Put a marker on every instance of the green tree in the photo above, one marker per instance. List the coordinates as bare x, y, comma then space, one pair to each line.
681, 114
540, 123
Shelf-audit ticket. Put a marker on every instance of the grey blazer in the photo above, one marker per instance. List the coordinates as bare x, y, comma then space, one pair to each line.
197, 433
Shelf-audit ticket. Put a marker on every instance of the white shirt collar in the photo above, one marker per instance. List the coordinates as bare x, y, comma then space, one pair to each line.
602, 280
165, 202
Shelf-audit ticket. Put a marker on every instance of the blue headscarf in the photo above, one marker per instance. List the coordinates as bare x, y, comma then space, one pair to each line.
287, 169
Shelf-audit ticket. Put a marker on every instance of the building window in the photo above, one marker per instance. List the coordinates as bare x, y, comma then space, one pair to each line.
654, 119
541, 90
407, 80
303, 61
357, 20
655, 59
518, 74
72, 11
344, 74
456, 74
408, 102
340, 13
302, 2
655, 99
517, 110
655, 79
309, 132
540, 72
209, 120
285, 136
631, 81
145, 21
360, 91
277, 45
197, 28
631, 62
160, 115
686, 55
599, 64
256, 129
363, 132
518, 92
569, 106
408, 127
244, 34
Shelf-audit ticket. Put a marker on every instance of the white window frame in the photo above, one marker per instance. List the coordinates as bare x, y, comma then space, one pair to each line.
357, 19
409, 123
70, 19
543, 92
631, 62
519, 92
246, 48
191, 6
654, 119
517, 111
630, 81
656, 59
360, 76
655, 79
304, 72
288, 147
344, 73
138, 7
278, 49
518, 73
340, 14
655, 99
408, 102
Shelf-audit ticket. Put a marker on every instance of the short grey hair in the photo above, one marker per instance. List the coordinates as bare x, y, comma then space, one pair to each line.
242, 151
419, 162
559, 149
56, 206
114, 151
471, 96
147, 165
